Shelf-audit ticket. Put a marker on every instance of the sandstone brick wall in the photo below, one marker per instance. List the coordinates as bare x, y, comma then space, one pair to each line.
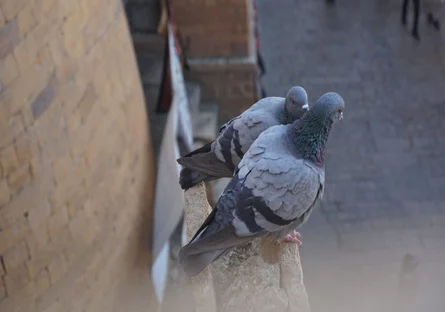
76, 175
214, 28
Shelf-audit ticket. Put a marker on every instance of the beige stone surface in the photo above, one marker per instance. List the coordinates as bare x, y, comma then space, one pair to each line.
242, 280
196, 211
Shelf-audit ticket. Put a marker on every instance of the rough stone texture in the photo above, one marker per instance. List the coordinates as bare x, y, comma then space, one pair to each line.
196, 211
385, 163
245, 282
73, 154
242, 281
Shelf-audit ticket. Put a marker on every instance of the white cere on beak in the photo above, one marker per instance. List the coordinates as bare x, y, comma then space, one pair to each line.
340, 116
305, 106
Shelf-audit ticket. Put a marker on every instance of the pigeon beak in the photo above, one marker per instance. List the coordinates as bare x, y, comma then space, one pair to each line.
340, 116
305, 107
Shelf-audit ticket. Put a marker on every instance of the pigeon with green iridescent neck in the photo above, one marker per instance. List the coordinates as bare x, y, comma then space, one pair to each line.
274, 189
219, 158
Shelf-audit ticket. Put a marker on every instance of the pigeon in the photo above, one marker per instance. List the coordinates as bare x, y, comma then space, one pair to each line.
219, 158
274, 189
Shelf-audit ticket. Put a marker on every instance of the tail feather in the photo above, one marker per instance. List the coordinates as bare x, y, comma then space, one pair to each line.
194, 264
203, 149
204, 161
207, 246
189, 178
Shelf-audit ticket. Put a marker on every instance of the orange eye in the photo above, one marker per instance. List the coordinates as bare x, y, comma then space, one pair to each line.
339, 110
293, 101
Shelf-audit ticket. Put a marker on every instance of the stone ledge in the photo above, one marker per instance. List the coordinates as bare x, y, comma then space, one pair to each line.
241, 280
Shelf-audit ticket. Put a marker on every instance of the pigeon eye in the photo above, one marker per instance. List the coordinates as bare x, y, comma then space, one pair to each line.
293, 101
339, 110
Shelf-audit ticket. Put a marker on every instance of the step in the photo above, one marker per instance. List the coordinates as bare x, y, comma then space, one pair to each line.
151, 69
148, 44
143, 16
157, 120
205, 122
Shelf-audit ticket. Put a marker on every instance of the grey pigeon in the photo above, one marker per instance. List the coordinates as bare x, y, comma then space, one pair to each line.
274, 189
219, 158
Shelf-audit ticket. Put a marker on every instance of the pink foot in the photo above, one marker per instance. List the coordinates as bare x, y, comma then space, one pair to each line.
293, 238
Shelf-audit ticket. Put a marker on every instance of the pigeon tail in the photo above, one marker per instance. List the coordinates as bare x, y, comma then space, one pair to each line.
203, 149
189, 178
194, 264
211, 241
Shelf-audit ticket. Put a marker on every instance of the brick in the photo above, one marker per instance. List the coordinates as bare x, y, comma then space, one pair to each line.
15, 128
39, 213
2, 289
5, 193
44, 99
71, 91
8, 70
60, 241
29, 84
33, 289
11, 8
37, 241
17, 304
16, 279
10, 236
9, 38
78, 226
41, 283
43, 6
74, 43
13, 219
62, 167
26, 19
26, 53
57, 220
2, 271
54, 307
2, 19
53, 144
15, 257
27, 117
59, 197
19, 178
77, 249
26, 148
8, 160
87, 101
57, 269
75, 202
36, 265
58, 51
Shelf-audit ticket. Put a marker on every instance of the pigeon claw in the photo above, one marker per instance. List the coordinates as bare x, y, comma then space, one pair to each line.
293, 238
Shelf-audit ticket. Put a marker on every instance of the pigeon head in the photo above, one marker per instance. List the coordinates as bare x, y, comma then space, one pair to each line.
329, 107
296, 103
311, 132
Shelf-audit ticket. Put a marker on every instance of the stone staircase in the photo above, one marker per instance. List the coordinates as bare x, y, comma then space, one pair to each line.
150, 52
